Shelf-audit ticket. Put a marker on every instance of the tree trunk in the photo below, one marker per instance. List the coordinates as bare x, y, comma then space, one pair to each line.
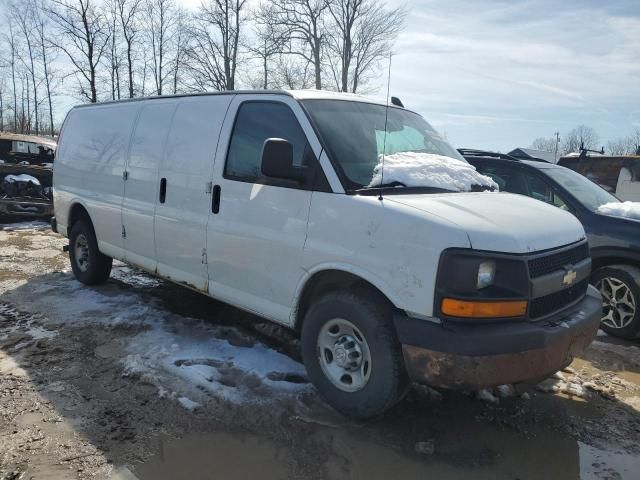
318, 67
15, 92
346, 64
47, 81
27, 127
265, 66
130, 67
35, 89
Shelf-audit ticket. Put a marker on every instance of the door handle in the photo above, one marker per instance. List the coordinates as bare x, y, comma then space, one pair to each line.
215, 199
163, 190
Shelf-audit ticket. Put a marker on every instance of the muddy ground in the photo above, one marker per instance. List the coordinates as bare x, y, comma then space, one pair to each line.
142, 379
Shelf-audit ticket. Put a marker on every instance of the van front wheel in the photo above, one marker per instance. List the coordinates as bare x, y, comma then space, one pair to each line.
89, 265
352, 355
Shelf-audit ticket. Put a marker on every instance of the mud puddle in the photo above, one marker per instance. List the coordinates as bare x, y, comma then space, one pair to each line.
480, 453
218, 455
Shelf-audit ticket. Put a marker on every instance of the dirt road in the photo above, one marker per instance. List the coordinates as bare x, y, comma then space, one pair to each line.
142, 379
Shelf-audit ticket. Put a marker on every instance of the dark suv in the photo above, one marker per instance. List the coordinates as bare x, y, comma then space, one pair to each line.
614, 242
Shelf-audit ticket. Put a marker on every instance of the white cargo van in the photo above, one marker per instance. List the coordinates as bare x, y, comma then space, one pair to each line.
265, 200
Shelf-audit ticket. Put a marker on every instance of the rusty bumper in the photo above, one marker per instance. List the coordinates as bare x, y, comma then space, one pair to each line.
477, 356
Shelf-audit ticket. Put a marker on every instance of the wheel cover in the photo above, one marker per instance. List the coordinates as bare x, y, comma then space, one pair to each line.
81, 252
344, 355
618, 303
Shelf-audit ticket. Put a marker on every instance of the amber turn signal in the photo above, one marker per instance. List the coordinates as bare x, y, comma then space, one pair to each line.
465, 309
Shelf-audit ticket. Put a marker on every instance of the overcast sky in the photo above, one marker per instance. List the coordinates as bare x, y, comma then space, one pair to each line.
498, 73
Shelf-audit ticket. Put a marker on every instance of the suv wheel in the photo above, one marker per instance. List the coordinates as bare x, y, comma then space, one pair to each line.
352, 355
89, 265
620, 289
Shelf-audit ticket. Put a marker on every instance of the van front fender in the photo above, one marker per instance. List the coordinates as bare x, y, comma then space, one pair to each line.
362, 274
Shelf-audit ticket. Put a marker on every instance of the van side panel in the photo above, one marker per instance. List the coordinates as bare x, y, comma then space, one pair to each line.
141, 189
90, 168
181, 222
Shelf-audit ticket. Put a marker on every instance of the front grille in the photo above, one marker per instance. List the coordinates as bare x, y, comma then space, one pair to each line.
555, 301
543, 265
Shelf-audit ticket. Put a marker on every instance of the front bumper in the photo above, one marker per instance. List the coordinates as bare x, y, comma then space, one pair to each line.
466, 356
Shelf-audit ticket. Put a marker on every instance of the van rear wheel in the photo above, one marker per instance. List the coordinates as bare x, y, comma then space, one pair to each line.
352, 354
89, 265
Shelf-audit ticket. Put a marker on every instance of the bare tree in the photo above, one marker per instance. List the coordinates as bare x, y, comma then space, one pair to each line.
544, 144
269, 39
304, 22
113, 54
181, 43
580, 137
2, 88
23, 15
618, 146
161, 25
364, 33
11, 42
634, 141
85, 38
293, 74
625, 145
26, 115
46, 56
128, 12
213, 55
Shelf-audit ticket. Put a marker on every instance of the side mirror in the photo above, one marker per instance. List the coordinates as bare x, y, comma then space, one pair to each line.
277, 161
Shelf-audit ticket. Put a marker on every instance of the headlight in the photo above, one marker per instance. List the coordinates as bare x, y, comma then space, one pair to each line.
473, 284
486, 274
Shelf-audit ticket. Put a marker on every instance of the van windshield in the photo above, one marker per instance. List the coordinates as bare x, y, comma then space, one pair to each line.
354, 135
584, 190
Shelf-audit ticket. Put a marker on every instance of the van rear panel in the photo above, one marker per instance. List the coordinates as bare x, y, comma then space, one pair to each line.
89, 167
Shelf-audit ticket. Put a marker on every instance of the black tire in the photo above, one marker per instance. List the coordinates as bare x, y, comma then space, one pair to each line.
95, 268
630, 277
387, 382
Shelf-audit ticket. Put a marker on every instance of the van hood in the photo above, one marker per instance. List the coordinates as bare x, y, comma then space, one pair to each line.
501, 222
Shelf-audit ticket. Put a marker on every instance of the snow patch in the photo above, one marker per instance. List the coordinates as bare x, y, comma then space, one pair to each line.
621, 209
21, 178
134, 277
191, 357
188, 404
416, 169
235, 374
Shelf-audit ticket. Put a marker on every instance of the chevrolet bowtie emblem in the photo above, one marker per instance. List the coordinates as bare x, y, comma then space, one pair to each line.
569, 277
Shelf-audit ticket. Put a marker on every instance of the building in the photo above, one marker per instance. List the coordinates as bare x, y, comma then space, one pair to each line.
531, 154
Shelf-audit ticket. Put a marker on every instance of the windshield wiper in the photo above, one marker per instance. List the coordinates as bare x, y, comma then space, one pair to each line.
395, 183
398, 188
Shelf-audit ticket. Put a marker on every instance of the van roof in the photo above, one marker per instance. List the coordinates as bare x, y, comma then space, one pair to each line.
297, 94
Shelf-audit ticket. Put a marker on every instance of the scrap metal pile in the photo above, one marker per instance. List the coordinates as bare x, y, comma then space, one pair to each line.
23, 186
26, 175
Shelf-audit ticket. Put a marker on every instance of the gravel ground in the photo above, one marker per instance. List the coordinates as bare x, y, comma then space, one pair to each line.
142, 379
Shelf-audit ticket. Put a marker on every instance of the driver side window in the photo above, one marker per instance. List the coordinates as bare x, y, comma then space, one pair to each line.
256, 122
540, 190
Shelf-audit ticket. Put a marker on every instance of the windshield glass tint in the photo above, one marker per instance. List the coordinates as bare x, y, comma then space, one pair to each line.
584, 190
353, 133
